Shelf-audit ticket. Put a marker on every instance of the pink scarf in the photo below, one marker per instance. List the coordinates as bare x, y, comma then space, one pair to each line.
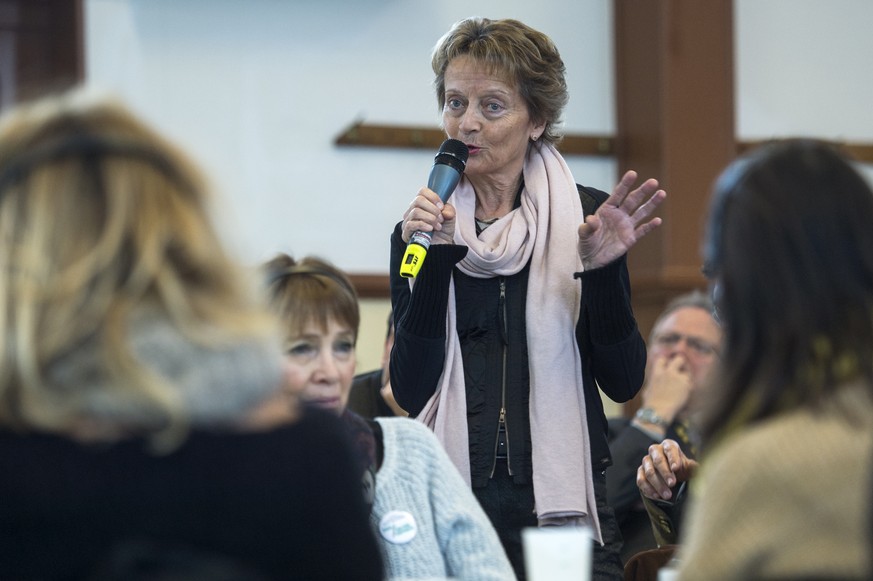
543, 231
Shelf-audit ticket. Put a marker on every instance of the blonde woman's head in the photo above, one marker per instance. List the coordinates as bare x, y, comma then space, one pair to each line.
102, 220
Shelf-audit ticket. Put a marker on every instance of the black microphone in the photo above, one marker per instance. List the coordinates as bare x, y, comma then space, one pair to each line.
448, 166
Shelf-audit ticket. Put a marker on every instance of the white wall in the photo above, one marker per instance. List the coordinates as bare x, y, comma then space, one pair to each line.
803, 69
260, 89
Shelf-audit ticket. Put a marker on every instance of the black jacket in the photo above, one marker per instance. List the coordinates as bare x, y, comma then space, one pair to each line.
281, 504
613, 351
365, 396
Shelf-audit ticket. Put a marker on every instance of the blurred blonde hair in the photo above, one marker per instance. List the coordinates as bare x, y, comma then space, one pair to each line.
101, 217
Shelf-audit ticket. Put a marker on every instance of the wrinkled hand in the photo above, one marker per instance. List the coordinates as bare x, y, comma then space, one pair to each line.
668, 386
619, 222
427, 213
662, 468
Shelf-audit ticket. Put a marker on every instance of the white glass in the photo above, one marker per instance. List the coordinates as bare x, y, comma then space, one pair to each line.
557, 553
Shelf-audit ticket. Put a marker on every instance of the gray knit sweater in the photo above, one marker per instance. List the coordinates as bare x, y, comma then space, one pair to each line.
215, 384
786, 498
428, 521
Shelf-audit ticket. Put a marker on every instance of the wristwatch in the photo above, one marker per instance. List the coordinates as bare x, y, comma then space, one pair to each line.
649, 416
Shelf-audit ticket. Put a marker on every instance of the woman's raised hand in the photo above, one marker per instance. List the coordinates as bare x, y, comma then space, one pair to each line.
619, 222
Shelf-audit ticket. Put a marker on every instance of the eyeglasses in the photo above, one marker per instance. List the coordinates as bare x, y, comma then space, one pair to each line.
696, 344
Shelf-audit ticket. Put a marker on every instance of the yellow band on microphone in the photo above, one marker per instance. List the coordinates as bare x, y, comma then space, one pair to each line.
412, 260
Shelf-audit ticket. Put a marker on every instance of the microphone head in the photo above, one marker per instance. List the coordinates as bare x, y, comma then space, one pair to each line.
453, 153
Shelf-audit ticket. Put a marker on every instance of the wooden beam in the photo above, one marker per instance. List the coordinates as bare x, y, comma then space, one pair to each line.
421, 137
418, 137
674, 118
862, 152
371, 286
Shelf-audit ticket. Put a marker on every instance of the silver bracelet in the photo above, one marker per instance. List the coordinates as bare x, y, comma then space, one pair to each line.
649, 416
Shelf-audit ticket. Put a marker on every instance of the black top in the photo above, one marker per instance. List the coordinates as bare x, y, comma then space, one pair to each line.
284, 504
365, 397
490, 321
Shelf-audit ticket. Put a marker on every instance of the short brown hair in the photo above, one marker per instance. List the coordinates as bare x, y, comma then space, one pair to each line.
311, 290
527, 57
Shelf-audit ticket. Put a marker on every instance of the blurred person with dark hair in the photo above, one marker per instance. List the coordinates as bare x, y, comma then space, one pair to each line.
783, 489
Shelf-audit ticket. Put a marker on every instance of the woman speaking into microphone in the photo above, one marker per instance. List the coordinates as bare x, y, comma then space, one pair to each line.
523, 305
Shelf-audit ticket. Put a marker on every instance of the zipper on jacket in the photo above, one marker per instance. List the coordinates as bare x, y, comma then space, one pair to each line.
501, 424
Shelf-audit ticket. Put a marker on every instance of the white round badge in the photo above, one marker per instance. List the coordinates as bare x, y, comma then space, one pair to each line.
398, 527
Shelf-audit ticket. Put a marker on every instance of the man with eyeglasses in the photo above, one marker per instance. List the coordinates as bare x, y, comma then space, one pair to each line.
682, 349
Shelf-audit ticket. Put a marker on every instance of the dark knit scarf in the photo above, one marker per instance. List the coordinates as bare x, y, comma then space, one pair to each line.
366, 450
